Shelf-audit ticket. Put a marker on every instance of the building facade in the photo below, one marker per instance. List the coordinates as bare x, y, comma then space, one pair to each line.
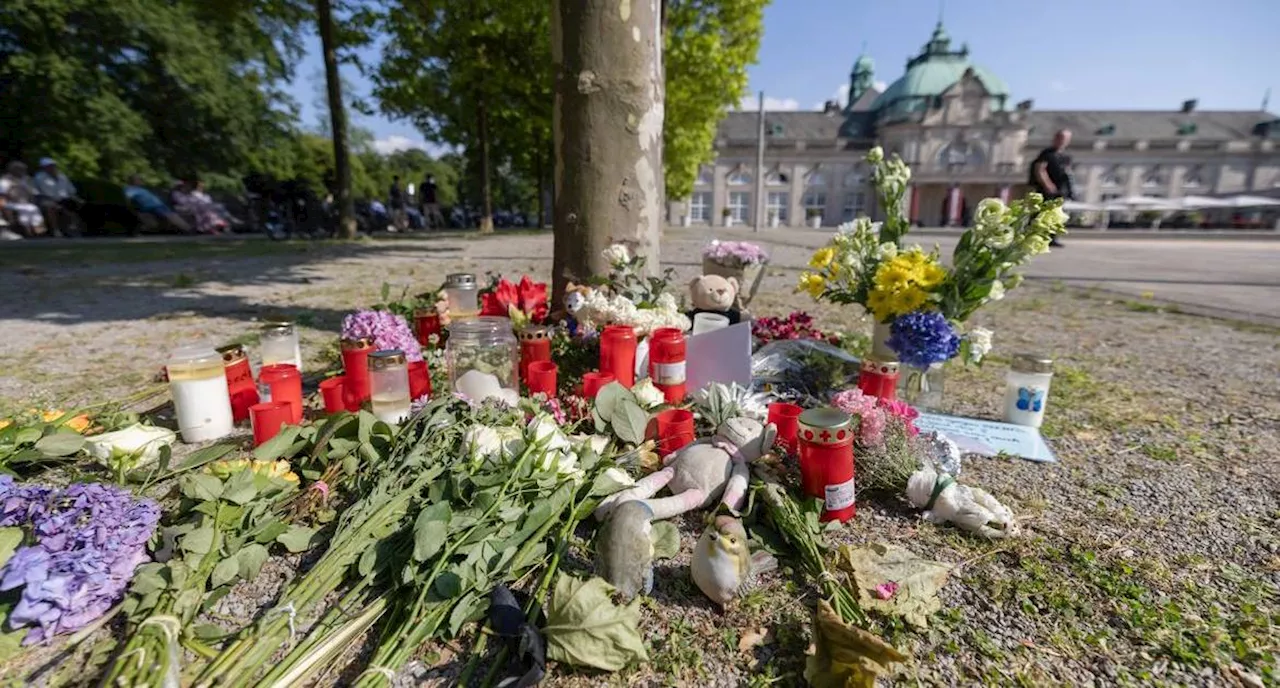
954, 123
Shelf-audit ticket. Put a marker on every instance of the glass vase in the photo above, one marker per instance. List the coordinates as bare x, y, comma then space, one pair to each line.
923, 387
880, 343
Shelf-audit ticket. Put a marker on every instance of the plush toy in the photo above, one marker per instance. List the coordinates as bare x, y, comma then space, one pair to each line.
700, 473
715, 294
723, 566
574, 296
624, 550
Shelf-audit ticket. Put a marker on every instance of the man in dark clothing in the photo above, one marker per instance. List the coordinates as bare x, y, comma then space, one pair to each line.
1050, 171
396, 200
431, 206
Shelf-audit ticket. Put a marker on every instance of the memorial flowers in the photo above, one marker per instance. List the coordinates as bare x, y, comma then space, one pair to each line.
385, 329
525, 303
734, 254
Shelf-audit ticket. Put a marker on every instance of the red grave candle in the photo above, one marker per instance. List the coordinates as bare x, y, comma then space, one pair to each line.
267, 419
331, 391
879, 379
787, 419
282, 382
355, 368
535, 345
826, 461
667, 362
592, 382
419, 380
240, 385
542, 378
428, 327
618, 353
675, 430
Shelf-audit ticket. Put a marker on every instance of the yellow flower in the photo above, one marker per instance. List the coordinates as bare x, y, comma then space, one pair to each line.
4, 423
78, 423
822, 258
813, 283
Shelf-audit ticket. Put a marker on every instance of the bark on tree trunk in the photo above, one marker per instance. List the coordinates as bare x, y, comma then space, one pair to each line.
486, 185
540, 173
607, 123
337, 122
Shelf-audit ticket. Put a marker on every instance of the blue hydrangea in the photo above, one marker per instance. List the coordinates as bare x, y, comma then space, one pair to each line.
923, 338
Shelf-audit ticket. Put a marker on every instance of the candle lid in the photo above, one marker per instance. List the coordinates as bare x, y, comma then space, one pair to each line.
232, 353
357, 343
480, 325
277, 320
277, 328
460, 280
189, 354
870, 365
534, 333
380, 360
826, 426
1032, 363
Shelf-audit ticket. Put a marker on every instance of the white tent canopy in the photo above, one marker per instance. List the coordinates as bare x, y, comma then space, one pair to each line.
1140, 203
1079, 206
1203, 202
1251, 201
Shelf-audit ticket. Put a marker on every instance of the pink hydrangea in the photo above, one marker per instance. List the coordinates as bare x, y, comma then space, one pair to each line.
903, 410
868, 411
386, 330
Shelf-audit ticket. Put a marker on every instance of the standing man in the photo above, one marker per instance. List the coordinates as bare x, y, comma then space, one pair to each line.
396, 199
430, 206
1049, 171
56, 196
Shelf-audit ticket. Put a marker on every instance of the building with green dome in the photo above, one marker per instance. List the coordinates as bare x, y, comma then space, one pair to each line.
956, 123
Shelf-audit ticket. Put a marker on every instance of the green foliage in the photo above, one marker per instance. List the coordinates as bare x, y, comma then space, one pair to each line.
708, 45
585, 628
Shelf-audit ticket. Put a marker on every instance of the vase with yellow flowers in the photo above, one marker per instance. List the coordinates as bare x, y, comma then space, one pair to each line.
919, 305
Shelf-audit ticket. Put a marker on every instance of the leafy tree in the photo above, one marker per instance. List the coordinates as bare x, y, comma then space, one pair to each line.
708, 46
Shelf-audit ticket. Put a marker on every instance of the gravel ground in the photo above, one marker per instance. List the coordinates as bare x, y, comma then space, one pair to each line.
1150, 554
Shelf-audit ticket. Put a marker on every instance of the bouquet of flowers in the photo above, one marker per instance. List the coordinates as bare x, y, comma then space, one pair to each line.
885, 444
525, 303
627, 298
734, 254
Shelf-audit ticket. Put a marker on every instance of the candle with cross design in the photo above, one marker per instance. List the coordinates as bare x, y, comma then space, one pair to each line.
826, 461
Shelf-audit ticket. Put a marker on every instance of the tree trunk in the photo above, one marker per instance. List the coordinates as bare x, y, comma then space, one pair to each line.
486, 184
607, 124
540, 174
337, 122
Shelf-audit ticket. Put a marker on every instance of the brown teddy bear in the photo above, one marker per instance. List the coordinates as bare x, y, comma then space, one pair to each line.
715, 294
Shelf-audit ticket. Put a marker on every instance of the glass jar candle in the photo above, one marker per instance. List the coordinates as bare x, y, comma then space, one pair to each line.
201, 400
240, 384
1027, 389
618, 353
535, 345
879, 379
483, 358
355, 372
389, 385
279, 341
826, 461
667, 357
429, 328
462, 294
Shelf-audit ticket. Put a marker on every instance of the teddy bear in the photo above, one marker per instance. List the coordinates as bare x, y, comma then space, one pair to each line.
715, 294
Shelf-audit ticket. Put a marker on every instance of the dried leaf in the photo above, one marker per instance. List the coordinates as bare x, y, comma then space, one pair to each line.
917, 580
755, 638
585, 628
846, 656
666, 540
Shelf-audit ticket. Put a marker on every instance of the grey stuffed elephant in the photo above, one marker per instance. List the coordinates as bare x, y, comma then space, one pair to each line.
700, 473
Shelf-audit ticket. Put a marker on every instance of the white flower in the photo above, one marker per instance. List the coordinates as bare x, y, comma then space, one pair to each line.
138, 444
990, 212
1036, 244
647, 394
479, 386
886, 250
543, 430
595, 443
612, 480
1052, 220
617, 255
999, 237
667, 302
979, 344
875, 156
997, 291
493, 445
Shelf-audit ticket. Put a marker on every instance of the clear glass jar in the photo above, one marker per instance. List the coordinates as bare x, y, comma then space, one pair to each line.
279, 342
1027, 389
922, 387
201, 400
389, 385
462, 294
483, 355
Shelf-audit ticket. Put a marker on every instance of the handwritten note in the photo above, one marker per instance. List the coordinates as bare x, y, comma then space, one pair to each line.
722, 355
989, 438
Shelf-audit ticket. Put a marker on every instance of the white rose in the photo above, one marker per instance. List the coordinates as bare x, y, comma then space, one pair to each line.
979, 343
1000, 237
543, 429
1036, 244
990, 211
647, 394
140, 442
997, 291
875, 156
611, 481
617, 255
595, 443
886, 250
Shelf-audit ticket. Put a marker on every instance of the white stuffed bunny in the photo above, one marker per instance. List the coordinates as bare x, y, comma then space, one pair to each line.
944, 500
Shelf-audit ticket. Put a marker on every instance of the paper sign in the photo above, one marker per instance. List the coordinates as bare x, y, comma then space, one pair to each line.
722, 355
989, 438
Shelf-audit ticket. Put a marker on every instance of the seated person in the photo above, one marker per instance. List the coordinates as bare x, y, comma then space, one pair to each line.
151, 210
191, 200
56, 196
20, 195
6, 234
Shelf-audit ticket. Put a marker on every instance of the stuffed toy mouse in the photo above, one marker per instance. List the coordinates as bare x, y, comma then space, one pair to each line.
715, 294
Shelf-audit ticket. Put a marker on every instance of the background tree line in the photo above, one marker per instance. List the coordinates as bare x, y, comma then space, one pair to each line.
175, 88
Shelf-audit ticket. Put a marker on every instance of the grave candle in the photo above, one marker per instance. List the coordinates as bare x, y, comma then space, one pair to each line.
826, 461
389, 385
1027, 389
462, 294
279, 342
879, 379
355, 368
535, 345
201, 400
240, 385
667, 362
618, 353
282, 382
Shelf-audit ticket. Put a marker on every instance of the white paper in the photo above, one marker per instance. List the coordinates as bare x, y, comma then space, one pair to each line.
722, 355
989, 438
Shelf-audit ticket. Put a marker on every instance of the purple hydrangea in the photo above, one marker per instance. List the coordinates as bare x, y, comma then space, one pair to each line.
734, 254
386, 329
923, 338
88, 539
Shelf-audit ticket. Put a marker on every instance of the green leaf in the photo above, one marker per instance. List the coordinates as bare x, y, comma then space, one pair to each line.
449, 585
200, 457
201, 486
666, 540
430, 530
470, 608
61, 443
11, 643
630, 422
10, 538
368, 561
585, 628
225, 572
206, 631
365, 429
148, 579
198, 541
240, 488
608, 398
297, 538
277, 446
269, 531
250, 559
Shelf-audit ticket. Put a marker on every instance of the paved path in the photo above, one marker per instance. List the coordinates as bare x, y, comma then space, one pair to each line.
1237, 279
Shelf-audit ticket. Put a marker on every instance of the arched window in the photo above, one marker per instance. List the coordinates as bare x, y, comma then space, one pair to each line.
705, 176
1155, 178
739, 176
776, 177
815, 177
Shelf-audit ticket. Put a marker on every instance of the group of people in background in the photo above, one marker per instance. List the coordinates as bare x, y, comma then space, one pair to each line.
45, 203
413, 209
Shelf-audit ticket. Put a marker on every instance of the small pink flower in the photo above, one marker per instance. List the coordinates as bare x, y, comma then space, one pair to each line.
322, 487
885, 591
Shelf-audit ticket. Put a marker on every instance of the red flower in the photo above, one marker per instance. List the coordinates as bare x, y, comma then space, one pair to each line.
529, 298
533, 299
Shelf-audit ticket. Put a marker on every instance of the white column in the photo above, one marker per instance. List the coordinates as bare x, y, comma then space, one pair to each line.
797, 195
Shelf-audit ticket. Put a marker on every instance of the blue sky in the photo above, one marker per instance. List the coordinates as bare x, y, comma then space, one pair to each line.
1078, 54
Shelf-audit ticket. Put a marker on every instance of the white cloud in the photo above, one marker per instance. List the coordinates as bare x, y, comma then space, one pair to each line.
880, 85
1059, 86
842, 93
751, 103
395, 143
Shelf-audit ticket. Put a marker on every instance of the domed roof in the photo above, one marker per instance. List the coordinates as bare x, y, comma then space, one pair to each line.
933, 71
864, 63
